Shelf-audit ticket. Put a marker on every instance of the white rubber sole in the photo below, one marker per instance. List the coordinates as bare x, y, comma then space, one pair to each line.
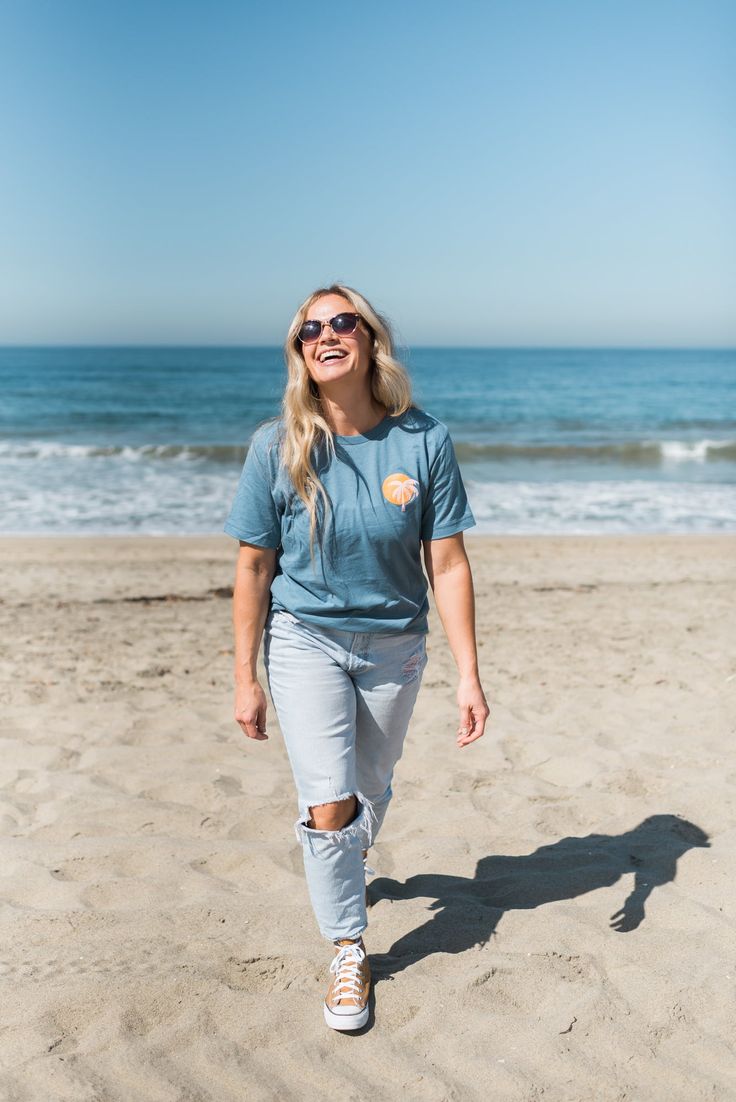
346, 1021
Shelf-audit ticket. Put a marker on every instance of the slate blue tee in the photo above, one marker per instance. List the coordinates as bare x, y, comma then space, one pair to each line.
389, 489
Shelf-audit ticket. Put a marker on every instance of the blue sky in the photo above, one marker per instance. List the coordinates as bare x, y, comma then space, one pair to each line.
517, 173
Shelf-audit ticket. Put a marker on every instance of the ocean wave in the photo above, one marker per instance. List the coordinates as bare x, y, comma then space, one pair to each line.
52, 449
632, 453
635, 452
606, 506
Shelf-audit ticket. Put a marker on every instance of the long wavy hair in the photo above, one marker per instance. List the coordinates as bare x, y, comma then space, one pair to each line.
304, 426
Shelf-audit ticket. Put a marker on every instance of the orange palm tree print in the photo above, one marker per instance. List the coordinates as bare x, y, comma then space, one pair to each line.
399, 489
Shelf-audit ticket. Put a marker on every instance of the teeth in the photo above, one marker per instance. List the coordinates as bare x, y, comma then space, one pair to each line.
331, 356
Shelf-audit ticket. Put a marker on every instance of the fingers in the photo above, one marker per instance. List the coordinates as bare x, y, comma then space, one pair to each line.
252, 730
261, 720
250, 711
480, 725
467, 723
253, 726
472, 735
472, 723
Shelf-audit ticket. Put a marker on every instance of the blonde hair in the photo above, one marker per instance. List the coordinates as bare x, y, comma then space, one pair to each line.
304, 424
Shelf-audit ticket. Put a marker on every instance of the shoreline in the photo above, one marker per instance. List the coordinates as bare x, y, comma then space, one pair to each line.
73, 537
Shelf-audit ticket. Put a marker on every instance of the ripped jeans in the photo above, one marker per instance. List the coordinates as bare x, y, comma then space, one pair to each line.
343, 700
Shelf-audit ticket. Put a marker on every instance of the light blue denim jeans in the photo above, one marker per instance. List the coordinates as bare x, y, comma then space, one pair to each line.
343, 700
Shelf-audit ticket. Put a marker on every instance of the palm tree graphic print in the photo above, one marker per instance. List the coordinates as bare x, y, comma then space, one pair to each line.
400, 489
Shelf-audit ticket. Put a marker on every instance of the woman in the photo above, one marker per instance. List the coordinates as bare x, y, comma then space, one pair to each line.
335, 500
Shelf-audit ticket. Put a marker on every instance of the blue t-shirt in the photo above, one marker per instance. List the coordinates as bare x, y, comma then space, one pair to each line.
389, 489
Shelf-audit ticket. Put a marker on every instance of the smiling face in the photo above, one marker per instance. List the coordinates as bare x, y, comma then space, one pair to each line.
349, 357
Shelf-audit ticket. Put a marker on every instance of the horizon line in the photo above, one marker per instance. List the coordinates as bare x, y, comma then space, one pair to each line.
399, 347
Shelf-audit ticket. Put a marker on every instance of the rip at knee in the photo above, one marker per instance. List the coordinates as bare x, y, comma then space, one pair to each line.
345, 820
333, 815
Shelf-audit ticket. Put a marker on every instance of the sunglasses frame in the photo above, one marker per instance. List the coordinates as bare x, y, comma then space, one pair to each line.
322, 324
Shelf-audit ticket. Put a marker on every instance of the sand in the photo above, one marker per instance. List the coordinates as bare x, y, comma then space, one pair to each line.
553, 910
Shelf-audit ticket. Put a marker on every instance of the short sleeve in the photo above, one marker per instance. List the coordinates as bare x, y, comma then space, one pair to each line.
254, 516
446, 509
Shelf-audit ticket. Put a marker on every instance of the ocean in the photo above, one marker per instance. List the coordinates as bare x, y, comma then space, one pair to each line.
151, 440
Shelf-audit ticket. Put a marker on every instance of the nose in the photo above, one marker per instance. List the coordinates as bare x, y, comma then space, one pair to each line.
324, 336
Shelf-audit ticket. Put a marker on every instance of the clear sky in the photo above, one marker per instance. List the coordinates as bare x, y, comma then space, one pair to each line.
520, 172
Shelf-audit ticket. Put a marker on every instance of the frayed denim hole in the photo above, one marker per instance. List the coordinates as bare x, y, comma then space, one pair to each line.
301, 827
360, 830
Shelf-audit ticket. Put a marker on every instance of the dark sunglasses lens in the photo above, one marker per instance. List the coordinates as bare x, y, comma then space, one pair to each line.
310, 332
342, 324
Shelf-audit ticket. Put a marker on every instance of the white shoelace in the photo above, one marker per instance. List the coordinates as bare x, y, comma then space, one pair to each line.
346, 967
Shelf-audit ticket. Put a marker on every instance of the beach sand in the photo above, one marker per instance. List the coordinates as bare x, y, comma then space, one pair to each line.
157, 940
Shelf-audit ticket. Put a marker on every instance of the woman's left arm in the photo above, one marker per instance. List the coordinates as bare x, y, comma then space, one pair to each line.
448, 571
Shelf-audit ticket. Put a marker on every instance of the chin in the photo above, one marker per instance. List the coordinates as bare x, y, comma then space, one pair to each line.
333, 376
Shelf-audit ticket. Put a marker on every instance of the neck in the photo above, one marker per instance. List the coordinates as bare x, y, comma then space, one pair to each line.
351, 414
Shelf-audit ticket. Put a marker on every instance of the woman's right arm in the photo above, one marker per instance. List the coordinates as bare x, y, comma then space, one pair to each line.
254, 573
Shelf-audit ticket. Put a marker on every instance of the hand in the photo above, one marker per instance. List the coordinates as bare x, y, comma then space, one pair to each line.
474, 710
250, 709
629, 917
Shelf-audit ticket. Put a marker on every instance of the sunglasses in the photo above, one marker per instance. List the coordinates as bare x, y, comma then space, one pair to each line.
342, 325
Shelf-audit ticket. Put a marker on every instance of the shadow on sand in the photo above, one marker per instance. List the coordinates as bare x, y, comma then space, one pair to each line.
469, 910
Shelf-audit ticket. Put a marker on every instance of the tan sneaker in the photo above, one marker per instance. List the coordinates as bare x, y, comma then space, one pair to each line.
346, 1002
